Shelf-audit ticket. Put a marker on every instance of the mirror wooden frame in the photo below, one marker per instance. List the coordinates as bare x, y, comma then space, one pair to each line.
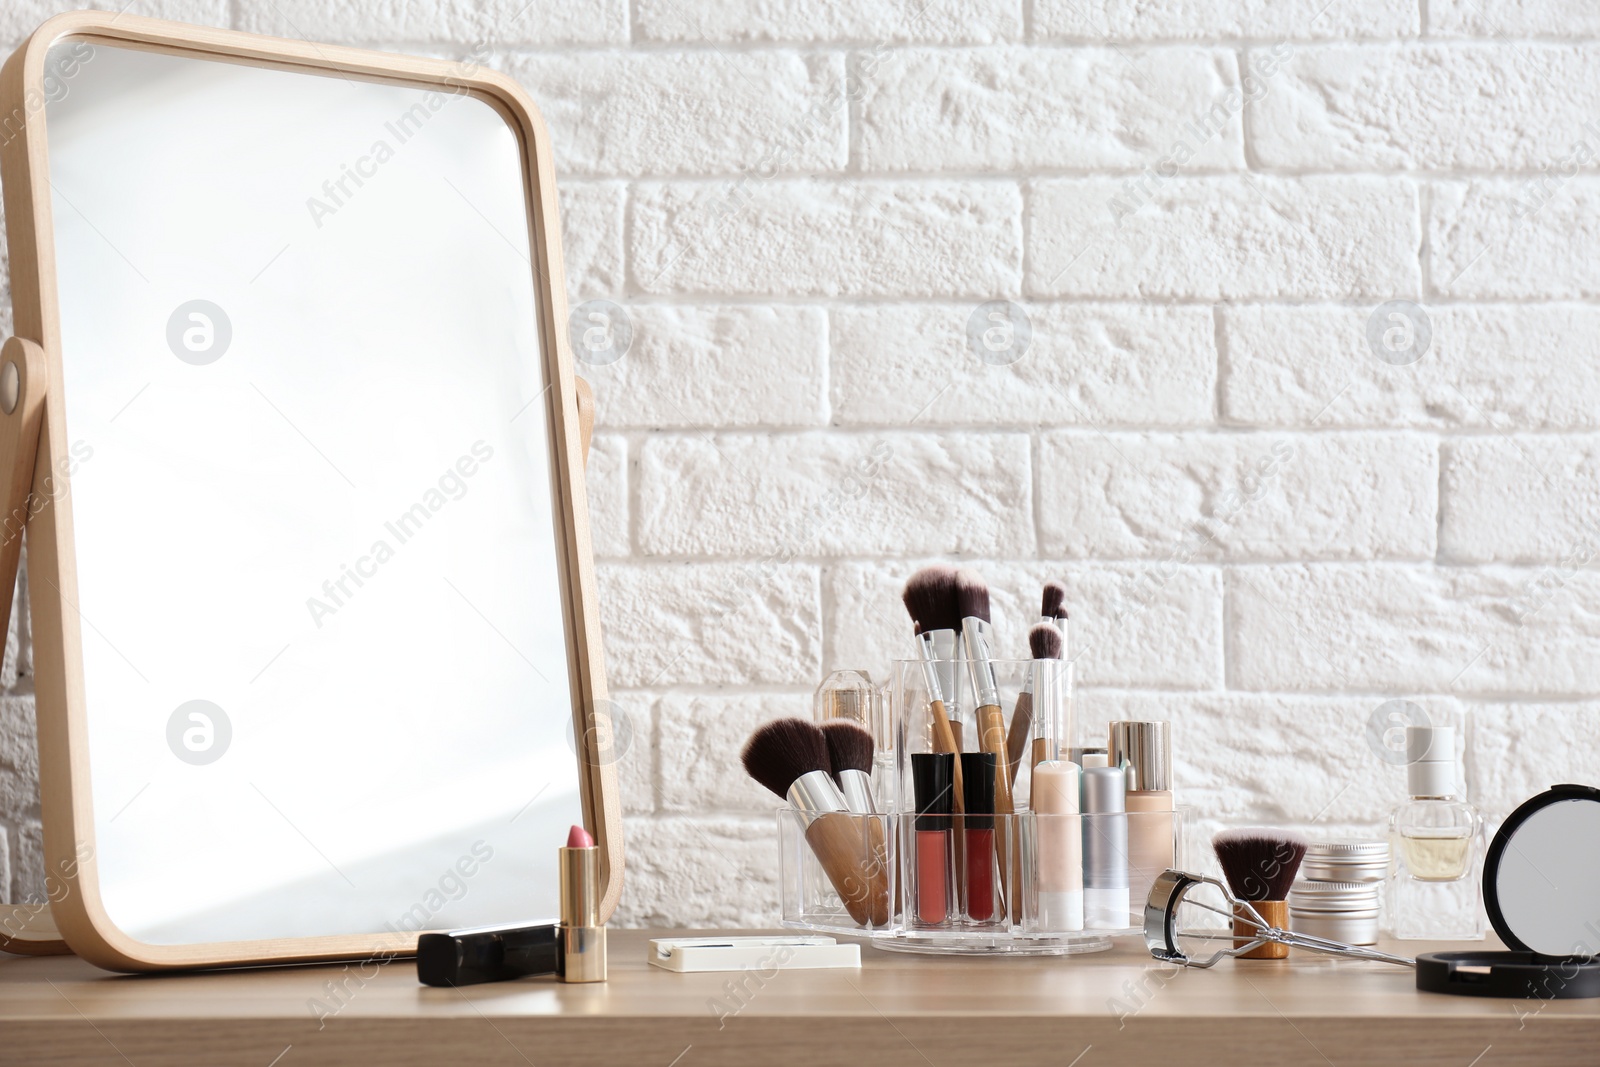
36, 493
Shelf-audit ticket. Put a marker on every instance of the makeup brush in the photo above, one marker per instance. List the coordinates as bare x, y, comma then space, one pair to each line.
1054, 602
930, 600
850, 749
1044, 642
1260, 865
972, 598
790, 758
1053, 610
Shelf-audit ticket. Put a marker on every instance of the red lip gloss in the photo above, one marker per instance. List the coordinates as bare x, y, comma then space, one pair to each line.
933, 780
978, 773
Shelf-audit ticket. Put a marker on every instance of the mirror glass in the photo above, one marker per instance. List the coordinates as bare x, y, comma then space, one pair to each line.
1548, 881
324, 655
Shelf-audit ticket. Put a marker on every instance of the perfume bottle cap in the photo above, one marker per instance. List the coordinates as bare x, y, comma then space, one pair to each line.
1145, 749
847, 694
1431, 761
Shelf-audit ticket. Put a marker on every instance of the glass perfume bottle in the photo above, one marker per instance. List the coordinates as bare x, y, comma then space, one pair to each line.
1433, 881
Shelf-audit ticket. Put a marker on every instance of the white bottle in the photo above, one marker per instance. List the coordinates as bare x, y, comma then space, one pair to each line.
1433, 891
1059, 844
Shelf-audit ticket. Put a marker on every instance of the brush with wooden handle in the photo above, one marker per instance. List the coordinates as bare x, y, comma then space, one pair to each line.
1260, 866
850, 751
930, 599
1044, 642
790, 757
973, 599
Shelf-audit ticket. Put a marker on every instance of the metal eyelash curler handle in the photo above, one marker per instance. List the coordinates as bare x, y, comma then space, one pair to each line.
1162, 934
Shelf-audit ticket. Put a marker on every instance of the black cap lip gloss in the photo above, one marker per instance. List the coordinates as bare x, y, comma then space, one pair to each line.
933, 780
978, 772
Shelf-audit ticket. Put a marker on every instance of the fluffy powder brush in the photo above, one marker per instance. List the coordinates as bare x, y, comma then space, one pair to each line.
790, 757
1260, 866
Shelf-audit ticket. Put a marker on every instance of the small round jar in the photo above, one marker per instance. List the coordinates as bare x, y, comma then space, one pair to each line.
1339, 911
1346, 861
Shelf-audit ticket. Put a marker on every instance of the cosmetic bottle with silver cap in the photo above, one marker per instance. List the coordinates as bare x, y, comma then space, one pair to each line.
1105, 849
1144, 751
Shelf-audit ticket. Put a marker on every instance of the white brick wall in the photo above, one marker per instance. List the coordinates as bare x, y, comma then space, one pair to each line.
1198, 206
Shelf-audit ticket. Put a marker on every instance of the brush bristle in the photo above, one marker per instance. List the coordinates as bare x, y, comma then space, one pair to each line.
782, 750
849, 746
972, 596
1055, 600
930, 598
1044, 641
1260, 864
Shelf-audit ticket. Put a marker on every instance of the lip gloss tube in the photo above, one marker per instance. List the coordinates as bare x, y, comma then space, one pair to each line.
933, 780
1105, 849
978, 773
1060, 845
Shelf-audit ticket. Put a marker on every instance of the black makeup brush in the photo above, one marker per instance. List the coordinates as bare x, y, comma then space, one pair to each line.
932, 601
972, 596
1044, 642
1260, 865
790, 757
850, 750
1055, 599
1053, 610
783, 751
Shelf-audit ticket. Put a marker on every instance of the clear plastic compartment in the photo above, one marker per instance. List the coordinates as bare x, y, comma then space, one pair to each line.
1034, 877
837, 872
1029, 883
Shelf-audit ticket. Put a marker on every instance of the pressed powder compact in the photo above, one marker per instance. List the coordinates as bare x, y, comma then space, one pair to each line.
1541, 888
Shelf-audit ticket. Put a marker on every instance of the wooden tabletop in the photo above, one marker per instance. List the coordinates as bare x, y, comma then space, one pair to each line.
1117, 1007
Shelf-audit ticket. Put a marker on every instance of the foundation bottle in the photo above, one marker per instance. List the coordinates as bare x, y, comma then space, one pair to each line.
1144, 750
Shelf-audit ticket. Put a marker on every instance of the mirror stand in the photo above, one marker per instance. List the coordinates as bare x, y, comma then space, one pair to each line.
29, 929
25, 929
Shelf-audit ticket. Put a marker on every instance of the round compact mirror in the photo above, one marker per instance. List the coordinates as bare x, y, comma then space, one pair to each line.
1541, 888
1541, 879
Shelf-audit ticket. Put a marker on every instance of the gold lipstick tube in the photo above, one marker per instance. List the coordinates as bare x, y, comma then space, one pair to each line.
583, 939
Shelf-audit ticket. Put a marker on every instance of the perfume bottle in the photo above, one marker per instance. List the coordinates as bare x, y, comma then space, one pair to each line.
1433, 892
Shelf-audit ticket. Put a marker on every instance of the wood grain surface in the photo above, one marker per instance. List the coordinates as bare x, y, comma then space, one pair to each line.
1117, 1007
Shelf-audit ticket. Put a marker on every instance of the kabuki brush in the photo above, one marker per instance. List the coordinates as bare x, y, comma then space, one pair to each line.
790, 757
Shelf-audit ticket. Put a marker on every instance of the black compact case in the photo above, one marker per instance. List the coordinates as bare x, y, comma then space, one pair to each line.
1541, 889
1525, 975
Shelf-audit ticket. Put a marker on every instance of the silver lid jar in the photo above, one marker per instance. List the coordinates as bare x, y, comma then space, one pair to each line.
1341, 911
1346, 861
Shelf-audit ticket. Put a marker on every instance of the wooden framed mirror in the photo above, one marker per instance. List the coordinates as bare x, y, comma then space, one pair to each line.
315, 638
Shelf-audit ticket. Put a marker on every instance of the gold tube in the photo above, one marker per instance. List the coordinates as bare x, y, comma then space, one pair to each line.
583, 939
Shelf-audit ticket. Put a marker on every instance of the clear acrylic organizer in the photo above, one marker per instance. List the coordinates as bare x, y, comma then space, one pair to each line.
1015, 888
974, 885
